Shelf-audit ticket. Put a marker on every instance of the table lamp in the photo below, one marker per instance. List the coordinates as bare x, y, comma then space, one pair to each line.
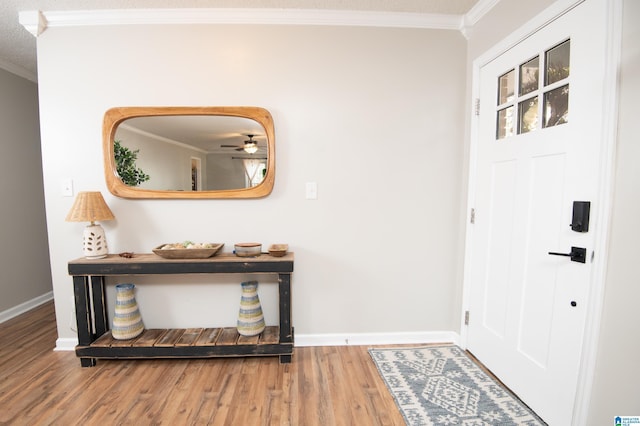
89, 207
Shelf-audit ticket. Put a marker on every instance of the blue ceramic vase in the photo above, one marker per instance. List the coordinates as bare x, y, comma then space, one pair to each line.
250, 318
127, 321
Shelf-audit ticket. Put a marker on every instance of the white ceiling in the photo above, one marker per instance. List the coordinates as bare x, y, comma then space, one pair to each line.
210, 134
18, 46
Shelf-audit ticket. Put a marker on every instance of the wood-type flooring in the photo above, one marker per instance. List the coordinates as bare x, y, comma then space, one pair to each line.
321, 386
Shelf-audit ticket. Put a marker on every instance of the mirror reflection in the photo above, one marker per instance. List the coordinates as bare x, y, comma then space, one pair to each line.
194, 153
189, 152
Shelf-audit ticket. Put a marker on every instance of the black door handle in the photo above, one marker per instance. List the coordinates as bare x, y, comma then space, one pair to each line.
577, 254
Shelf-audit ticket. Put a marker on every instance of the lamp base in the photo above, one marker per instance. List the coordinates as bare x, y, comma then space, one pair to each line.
94, 242
102, 256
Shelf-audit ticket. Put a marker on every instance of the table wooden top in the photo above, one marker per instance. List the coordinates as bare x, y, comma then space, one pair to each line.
150, 263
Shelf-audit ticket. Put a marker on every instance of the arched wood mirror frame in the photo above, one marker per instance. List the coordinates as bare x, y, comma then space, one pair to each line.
115, 116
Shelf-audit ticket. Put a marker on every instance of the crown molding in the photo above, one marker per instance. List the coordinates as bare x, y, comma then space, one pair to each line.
478, 11
37, 22
33, 21
475, 14
18, 70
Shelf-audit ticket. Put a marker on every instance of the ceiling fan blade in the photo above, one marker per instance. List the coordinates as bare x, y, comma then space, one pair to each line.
229, 146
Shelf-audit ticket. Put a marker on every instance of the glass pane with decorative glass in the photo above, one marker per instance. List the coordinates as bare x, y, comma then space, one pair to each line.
529, 72
505, 122
506, 84
556, 106
528, 115
557, 60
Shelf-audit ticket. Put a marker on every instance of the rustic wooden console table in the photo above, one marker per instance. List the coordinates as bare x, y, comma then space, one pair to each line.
94, 337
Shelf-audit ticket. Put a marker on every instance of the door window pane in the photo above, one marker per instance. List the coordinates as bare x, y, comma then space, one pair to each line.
525, 102
505, 87
505, 122
557, 60
529, 72
556, 106
528, 115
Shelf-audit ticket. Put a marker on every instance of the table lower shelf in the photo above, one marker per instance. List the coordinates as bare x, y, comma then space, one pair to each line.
189, 343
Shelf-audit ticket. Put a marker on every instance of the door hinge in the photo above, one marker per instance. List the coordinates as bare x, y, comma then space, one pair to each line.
466, 317
476, 106
472, 216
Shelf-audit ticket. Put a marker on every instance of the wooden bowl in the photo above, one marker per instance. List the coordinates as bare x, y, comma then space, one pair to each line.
278, 250
187, 253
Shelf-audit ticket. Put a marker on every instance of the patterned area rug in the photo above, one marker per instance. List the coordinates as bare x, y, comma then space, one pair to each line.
443, 386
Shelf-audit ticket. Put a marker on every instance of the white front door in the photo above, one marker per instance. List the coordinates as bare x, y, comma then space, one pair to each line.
537, 148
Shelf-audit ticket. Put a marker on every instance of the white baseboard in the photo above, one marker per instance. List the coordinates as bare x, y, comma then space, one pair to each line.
24, 307
66, 344
360, 339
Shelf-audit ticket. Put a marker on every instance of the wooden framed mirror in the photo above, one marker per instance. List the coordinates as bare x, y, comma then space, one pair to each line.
189, 152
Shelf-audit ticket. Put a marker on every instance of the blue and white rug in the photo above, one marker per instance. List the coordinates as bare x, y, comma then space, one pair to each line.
442, 385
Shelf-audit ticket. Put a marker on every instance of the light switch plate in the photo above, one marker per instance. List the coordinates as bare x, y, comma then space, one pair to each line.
66, 187
312, 191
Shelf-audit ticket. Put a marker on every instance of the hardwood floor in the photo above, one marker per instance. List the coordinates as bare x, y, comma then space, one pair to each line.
322, 386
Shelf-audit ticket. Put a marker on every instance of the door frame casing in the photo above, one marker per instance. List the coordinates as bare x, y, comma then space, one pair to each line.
613, 31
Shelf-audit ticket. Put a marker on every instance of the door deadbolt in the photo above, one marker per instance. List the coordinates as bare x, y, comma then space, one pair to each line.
580, 216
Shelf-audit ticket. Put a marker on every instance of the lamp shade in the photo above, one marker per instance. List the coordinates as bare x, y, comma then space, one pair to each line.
89, 207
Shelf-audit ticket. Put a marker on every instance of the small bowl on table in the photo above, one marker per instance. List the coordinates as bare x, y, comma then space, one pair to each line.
278, 250
248, 249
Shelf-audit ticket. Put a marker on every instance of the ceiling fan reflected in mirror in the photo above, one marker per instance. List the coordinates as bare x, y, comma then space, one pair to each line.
250, 146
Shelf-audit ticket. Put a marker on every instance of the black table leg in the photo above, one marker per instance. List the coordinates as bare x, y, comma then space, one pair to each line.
83, 315
286, 331
99, 305
88, 362
284, 288
285, 359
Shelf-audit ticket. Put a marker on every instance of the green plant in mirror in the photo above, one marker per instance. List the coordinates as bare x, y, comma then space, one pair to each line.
126, 167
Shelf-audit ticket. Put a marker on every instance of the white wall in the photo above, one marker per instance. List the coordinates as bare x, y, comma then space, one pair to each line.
223, 172
374, 116
168, 165
504, 18
24, 257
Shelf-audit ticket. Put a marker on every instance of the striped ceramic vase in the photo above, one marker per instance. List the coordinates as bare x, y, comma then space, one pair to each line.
127, 321
250, 318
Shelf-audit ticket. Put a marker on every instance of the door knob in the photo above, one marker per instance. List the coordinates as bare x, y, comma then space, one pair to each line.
577, 254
